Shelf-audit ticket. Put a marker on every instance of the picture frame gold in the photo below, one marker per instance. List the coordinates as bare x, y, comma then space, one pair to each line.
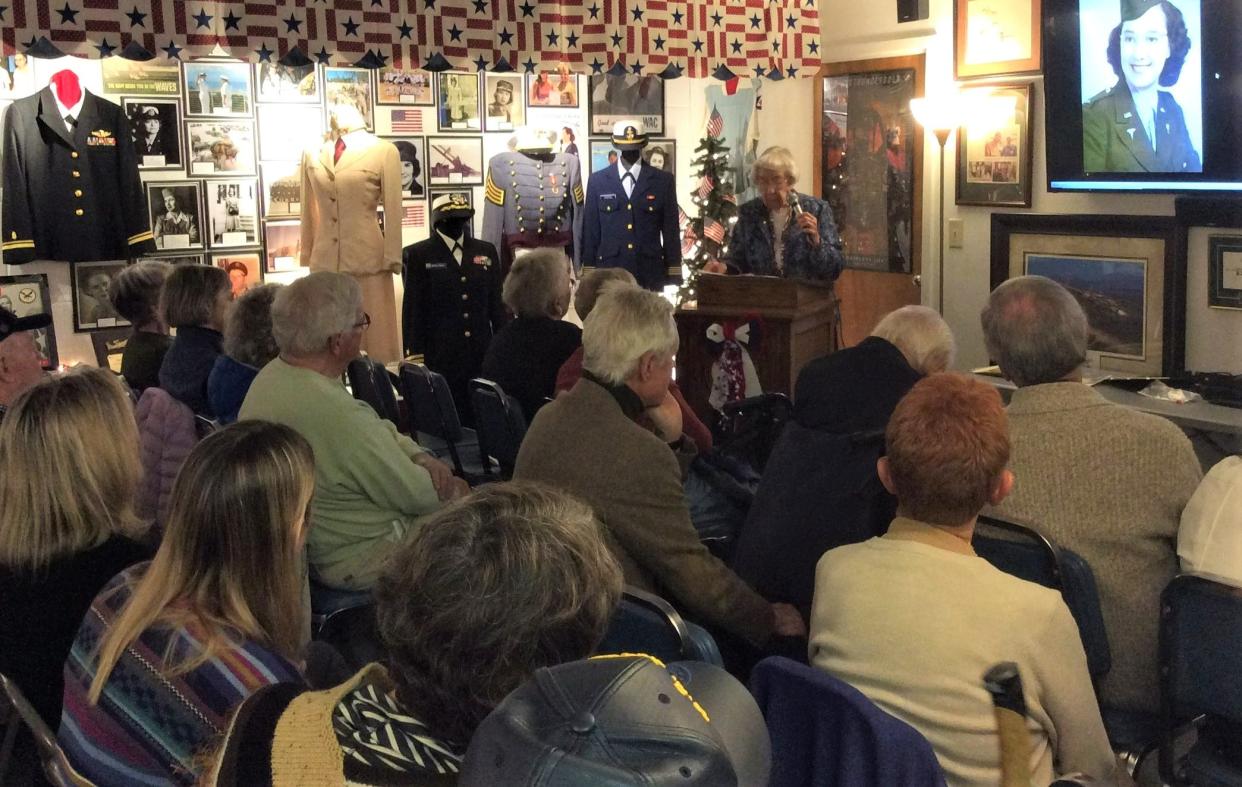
996, 37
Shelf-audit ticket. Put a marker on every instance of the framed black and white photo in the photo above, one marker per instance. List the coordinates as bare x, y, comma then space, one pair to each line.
1225, 271
25, 295
92, 309
282, 242
277, 82
455, 160
176, 214
155, 131
221, 147
413, 153
457, 102
282, 189
505, 110
233, 213
350, 87
661, 153
125, 77
109, 345
217, 88
244, 267
616, 97
285, 131
395, 86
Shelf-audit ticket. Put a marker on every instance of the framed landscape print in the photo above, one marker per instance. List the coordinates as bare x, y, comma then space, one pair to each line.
25, 295
457, 102
280, 83
221, 147
615, 98
217, 88
455, 160
992, 37
396, 86
92, 308
994, 158
176, 214
155, 131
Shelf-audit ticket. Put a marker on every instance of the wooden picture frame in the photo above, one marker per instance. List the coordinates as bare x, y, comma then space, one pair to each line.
996, 37
1102, 259
875, 191
994, 160
28, 294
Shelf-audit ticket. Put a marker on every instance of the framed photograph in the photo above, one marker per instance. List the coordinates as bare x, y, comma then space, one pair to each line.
993, 37
217, 88
413, 153
994, 158
92, 309
245, 269
1225, 271
176, 214
552, 88
233, 213
282, 242
455, 160
603, 154
397, 86
351, 87
155, 131
17, 77
25, 295
285, 131
282, 189
661, 153
1127, 272
615, 97
869, 158
178, 259
505, 110
287, 84
457, 102
122, 76
109, 345
221, 147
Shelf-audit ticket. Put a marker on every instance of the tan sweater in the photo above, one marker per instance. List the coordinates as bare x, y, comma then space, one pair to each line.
914, 619
1109, 483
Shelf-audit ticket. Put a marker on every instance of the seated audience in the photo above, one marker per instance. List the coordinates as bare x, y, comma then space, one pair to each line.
587, 443
20, 367
194, 301
511, 579
1103, 480
526, 353
135, 294
248, 347
66, 518
913, 619
372, 484
169, 648
589, 289
820, 489
1209, 541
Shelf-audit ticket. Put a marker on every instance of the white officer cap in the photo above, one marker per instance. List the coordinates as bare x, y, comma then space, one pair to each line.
629, 134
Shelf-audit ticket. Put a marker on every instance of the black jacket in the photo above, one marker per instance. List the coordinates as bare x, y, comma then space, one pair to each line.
72, 196
525, 357
853, 390
187, 366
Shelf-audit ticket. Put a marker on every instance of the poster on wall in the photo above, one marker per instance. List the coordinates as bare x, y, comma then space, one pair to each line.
350, 87
26, 295
867, 167
221, 147
155, 132
615, 97
122, 76
280, 83
176, 217
233, 212
92, 308
215, 88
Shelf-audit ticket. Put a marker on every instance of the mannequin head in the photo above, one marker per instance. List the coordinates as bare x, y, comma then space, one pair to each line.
345, 118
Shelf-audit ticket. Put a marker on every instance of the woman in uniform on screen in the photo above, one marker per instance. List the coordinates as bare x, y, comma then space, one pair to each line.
1134, 126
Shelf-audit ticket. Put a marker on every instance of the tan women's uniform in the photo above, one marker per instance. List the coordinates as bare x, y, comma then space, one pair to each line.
341, 231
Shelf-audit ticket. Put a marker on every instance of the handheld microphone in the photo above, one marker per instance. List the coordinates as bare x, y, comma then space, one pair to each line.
794, 204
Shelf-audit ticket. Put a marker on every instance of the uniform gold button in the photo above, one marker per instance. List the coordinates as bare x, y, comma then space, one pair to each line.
629, 207
515, 183
629, 245
541, 198
467, 334
74, 154
77, 174
79, 212
77, 192
541, 209
465, 315
463, 279
629, 226
465, 297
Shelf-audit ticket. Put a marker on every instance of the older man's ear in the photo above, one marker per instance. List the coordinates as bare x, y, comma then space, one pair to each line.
886, 475
1004, 485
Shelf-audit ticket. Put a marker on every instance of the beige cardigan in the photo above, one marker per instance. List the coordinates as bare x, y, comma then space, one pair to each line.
1109, 483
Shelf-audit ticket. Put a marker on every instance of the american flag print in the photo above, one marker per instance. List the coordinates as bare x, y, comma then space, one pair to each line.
407, 121
715, 123
414, 216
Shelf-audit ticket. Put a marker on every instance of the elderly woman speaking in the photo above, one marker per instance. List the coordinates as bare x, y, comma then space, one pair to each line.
782, 232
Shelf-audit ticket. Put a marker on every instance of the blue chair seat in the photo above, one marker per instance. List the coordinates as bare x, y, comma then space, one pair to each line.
646, 623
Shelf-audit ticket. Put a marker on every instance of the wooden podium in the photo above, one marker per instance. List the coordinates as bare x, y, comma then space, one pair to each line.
797, 327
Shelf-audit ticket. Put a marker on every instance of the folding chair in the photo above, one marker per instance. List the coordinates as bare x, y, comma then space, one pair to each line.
646, 623
371, 383
433, 416
499, 423
352, 631
16, 712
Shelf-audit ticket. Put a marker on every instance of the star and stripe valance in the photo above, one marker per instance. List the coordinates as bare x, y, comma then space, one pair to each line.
721, 38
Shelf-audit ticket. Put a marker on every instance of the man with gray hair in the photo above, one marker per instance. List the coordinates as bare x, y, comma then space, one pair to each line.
372, 484
586, 442
1103, 480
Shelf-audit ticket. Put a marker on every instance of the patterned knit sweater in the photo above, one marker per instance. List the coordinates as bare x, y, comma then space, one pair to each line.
1108, 483
149, 727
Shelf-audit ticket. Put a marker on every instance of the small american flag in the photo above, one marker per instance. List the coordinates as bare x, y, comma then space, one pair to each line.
705, 187
407, 121
414, 215
715, 123
688, 239
714, 231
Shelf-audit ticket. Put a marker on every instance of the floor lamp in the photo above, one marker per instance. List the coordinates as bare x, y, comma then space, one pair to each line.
939, 115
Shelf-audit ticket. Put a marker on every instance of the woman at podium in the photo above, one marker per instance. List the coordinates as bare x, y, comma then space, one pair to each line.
809, 246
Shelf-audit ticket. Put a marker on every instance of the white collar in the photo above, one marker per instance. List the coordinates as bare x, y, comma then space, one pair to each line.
637, 168
450, 242
72, 111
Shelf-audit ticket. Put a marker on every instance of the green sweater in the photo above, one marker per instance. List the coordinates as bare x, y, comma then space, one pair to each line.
368, 493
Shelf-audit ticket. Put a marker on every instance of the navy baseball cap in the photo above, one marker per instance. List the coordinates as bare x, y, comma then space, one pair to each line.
10, 323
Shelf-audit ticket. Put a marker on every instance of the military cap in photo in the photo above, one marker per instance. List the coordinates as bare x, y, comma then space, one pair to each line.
1133, 9
10, 323
150, 112
624, 719
449, 205
629, 135
504, 85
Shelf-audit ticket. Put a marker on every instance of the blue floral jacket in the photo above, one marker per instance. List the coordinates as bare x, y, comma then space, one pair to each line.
751, 249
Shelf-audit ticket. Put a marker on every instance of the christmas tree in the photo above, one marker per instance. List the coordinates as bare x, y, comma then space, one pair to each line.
706, 237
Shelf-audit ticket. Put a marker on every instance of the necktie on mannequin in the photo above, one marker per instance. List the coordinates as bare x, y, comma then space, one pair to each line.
71, 122
457, 251
627, 180
340, 149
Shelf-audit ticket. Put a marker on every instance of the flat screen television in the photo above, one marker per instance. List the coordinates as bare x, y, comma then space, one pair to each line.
1143, 95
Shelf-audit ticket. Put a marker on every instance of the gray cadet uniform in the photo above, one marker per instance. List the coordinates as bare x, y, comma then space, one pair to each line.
532, 203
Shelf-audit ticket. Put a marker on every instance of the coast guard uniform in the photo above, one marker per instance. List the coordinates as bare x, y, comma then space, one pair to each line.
531, 203
71, 193
637, 232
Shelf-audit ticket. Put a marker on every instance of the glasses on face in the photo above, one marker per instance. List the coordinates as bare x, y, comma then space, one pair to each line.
364, 323
764, 181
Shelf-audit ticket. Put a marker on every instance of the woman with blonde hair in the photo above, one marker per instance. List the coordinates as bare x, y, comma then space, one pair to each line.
70, 451
170, 647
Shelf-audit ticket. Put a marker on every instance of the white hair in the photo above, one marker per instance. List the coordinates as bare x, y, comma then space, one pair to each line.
313, 309
777, 161
922, 335
626, 323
